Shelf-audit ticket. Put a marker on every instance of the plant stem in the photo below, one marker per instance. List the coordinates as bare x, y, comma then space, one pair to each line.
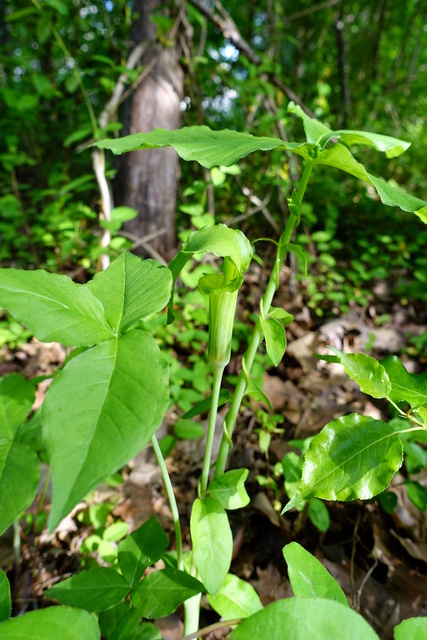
172, 502
191, 615
255, 340
218, 370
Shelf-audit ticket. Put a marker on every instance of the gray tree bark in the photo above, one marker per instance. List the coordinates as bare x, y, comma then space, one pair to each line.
147, 180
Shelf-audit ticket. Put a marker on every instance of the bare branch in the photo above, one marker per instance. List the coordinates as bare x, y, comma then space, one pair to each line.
111, 106
232, 33
229, 30
317, 7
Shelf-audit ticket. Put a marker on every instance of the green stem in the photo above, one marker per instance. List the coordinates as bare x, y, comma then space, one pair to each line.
304, 180
191, 615
172, 502
192, 605
216, 388
255, 340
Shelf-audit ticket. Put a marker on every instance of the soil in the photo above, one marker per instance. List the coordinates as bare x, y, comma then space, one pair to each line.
379, 559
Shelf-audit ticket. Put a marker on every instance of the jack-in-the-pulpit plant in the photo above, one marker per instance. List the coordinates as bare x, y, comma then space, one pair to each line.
107, 401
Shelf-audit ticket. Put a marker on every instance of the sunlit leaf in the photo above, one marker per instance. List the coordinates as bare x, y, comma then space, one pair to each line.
210, 148
212, 542
54, 307
352, 457
101, 410
141, 287
303, 619
275, 338
229, 489
236, 599
308, 577
407, 387
369, 374
411, 629
51, 624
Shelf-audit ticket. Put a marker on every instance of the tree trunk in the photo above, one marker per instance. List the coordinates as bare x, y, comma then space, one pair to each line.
147, 180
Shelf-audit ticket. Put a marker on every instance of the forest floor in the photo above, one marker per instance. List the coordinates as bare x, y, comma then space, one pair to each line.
379, 559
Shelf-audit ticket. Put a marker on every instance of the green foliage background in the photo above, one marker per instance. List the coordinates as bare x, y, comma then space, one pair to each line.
360, 65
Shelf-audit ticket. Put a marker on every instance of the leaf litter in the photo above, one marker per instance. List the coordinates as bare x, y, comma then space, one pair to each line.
380, 560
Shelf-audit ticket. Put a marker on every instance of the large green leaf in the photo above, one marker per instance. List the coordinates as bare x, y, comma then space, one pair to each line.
19, 465
352, 457
161, 592
236, 599
53, 307
140, 549
212, 148
305, 619
93, 590
131, 289
5, 602
101, 410
212, 542
369, 374
209, 148
53, 623
308, 577
411, 629
405, 386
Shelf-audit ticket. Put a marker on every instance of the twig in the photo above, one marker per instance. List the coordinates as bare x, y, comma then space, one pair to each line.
111, 106
144, 73
224, 624
363, 583
317, 7
143, 242
232, 33
353, 554
261, 205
